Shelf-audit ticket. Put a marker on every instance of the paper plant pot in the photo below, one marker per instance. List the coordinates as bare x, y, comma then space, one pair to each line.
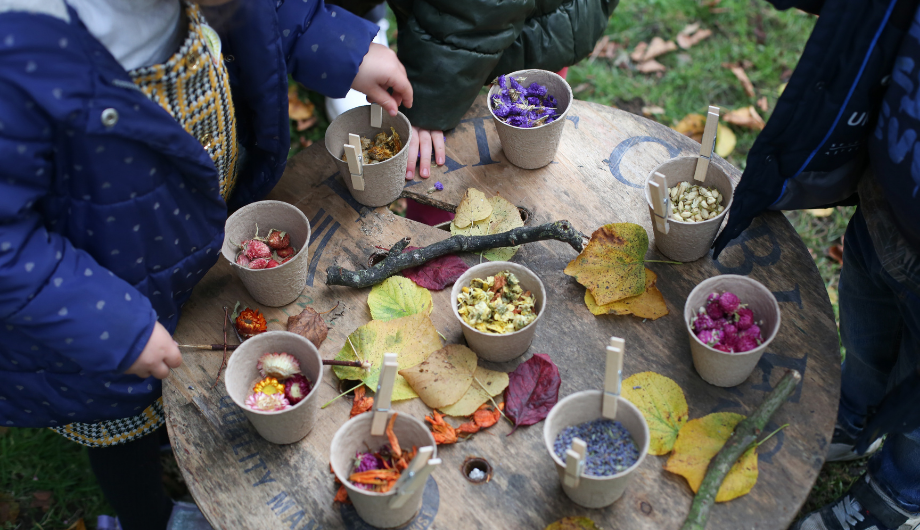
383, 181
491, 346
534, 147
281, 285
687, 241
284, 426
731, 369
594, 491
355, 436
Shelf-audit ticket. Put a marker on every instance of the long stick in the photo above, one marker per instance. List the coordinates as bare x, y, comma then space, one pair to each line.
223, 362
397, 261
741, 440
220, 347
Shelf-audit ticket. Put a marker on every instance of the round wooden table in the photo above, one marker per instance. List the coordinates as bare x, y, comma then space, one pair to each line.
241, 481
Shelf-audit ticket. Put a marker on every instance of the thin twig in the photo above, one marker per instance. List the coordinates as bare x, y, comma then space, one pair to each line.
494, 404
223, 361
331, 310
340, 395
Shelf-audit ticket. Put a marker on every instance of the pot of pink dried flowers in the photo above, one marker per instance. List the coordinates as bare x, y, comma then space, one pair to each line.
273, 377
266, 244
529, 108
731, 320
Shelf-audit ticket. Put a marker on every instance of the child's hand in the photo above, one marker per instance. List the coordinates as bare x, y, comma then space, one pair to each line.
160, 354
422, 143
380, 70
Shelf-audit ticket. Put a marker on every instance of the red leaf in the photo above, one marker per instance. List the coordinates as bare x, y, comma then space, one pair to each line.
437, 273
533, 389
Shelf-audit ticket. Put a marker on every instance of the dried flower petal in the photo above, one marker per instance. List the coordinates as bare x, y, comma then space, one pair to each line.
296, 388
267, 402
280, 365
269, 385
250, 322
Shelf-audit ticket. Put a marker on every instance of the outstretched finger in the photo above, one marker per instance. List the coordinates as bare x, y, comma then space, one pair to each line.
424, 153
437, 140
413, 154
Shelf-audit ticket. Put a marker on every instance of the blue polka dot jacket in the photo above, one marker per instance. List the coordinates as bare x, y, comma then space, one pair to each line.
109, 210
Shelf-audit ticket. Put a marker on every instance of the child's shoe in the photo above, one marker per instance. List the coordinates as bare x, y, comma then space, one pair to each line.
863, 507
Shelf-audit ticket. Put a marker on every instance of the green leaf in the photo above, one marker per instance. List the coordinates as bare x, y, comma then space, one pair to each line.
612, 265
662, 403
398, 297
412, 338
573, 523
505, 216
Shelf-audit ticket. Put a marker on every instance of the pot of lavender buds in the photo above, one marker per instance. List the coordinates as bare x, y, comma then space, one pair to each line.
731, 320
274, 377
616, 448
529, 108
251, 236
697, 208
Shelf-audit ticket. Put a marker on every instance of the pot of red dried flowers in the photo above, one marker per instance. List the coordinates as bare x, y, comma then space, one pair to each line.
615, 448
529, 108
697, 208
731, 320
368, 467
266, 244
514, 299
385, 151
273, 377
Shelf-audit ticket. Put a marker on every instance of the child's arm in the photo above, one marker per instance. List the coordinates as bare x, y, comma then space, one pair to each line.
329, 50
50, 291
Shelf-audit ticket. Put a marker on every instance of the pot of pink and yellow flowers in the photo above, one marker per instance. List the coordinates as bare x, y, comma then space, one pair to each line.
273, 377
731, 320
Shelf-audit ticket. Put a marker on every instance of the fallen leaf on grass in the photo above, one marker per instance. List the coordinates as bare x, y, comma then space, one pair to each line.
658, 47
533, 389
725, 141
821, 212
437, 273
573, 523
745, 117
486, 384
303, 125
599, 48
835, 252
612, 264
650, 304
742, 77
444, 377
412, 338
699, 441
398, 297
9, 509
473, 207
297, 109
652, 110
310, 325
578, 89
692, 125
662, 403
638, 53
692, 35
78, 525
650, 67
762, 104
41, 499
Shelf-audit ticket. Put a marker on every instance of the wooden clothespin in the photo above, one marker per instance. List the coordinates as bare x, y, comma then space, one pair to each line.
355, 161
575, 462
661, 205
384, 394
414, 476
613, 377
376, 115
708, 144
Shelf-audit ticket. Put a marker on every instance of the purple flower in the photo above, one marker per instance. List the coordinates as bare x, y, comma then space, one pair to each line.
518, 121
703, 322
536, 90
438, 186
729, 302
366, 462
714, 310
709, 337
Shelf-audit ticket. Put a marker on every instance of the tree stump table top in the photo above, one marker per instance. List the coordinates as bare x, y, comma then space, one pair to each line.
241, 481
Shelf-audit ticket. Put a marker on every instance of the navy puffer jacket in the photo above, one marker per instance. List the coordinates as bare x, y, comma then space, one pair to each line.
109, 210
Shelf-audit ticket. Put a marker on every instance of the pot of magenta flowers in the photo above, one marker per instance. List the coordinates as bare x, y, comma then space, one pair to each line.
273, 377
529, 108
731, 320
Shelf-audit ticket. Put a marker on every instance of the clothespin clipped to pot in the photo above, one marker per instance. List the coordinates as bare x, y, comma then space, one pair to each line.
708, 144
414, 476
355, 161
376, 115
575, 462
658, 190
613, 377
384, 394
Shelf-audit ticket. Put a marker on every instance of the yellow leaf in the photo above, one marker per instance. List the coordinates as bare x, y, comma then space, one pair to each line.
821, 212
650, 304
77, 525
397, 297
473, 207
486, 384
444, 377
573, 523
412, 338
725, 141
692, 125
298, 110
745, 117
663, 404
611, 265
505, 216
699, 441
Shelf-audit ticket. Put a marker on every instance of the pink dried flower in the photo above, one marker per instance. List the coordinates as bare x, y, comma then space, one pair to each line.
296, 388
267, 402
271, 264
723, 347
702, 322
744, 343
709, 337
714, 310
366, 462
255, 249
280, 365
713, 297
728, 302
720, 323
745, 318
753, 331
730, 330
242, 260
260, 263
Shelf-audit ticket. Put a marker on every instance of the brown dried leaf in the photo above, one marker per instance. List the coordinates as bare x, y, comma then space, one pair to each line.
444, 377
310, 325
685, 41
599, 48
77, 525
690, 29
651, 110
657, 47
738, 70
297, 109
692, 125
9, 509
303, 125
650, 67
763, 104
41, 499
639, 53
745, 117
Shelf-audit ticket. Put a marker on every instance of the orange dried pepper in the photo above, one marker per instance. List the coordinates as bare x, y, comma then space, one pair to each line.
362, 404
375, 477
341, 495
391, 436
485, 418
443, 433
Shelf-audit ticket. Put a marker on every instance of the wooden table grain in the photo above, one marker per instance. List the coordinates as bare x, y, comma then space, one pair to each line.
242, 482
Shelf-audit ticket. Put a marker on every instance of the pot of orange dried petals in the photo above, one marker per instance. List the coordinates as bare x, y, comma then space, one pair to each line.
368, 467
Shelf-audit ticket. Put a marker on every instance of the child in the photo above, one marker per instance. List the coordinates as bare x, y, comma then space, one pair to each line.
125, 132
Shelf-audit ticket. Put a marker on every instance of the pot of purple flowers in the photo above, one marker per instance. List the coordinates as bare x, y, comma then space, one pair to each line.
529, 108
615, 448
731, 320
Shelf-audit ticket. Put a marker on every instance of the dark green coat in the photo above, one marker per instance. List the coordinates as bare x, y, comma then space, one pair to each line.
451, 48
